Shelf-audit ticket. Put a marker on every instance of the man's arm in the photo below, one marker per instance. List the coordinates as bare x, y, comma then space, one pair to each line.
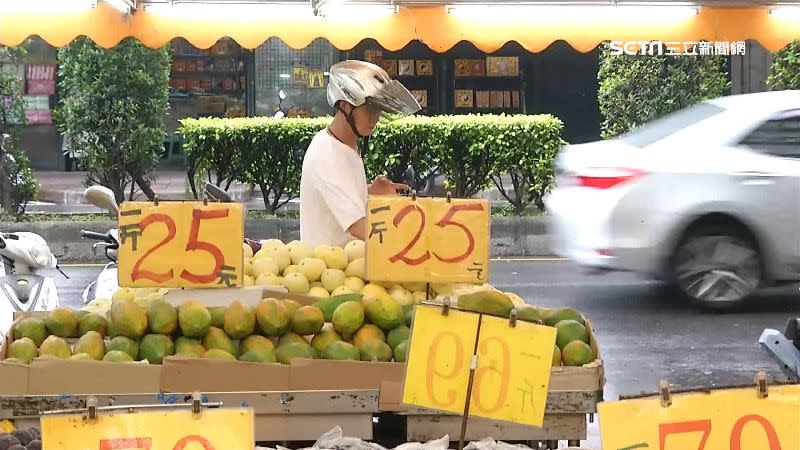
359, 229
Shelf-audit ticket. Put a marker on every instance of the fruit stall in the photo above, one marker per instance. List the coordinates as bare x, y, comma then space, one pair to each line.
308, 339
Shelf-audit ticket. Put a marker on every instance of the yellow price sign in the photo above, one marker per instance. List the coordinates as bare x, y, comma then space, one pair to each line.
512, 375
427, 240
214, 429
730, 419
439, 354
181, 244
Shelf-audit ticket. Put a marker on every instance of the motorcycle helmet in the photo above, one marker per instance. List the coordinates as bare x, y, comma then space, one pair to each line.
360, 82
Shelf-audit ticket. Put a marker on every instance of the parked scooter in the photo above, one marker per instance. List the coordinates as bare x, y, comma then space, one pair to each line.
106, 283
23, 288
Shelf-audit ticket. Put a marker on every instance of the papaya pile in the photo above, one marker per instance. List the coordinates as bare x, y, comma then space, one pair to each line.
572, 338
352, 319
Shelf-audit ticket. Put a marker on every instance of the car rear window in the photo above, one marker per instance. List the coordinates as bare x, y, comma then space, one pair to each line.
664, 126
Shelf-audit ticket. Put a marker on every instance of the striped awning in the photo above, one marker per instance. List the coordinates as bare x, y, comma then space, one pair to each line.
534, 26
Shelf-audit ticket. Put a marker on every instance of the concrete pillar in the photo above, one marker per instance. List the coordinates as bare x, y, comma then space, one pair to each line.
749, 71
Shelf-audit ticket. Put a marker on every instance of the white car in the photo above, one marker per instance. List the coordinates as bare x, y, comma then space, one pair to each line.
707, 198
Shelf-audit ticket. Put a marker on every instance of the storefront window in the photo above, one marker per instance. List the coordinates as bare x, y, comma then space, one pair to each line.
301, 74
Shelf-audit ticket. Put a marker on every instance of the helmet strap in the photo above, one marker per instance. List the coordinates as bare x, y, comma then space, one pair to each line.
350, 121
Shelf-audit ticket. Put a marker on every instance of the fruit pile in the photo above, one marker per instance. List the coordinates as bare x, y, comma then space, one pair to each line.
349, 326
572, 338
352, 318
24, 439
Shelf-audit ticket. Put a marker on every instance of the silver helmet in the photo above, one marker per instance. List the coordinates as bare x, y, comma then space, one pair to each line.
360, 82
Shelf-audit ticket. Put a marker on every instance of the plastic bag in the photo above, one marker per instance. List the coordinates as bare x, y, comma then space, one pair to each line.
333, 440
491, 444
439, 444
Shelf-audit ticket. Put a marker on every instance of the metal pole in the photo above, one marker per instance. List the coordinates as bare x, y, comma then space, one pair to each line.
472, 367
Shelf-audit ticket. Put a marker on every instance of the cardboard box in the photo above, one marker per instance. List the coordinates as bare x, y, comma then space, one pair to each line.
204, 375
48, 376
348, 375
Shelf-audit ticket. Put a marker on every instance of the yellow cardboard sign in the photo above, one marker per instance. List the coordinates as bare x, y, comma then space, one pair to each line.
214, 429
512, 375
181, 244
730, 419
427, 240
439, 355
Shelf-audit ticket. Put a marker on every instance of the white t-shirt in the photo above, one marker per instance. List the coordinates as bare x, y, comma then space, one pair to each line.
333, 192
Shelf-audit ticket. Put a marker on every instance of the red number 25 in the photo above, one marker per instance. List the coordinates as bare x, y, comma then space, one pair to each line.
192, 245
446, 221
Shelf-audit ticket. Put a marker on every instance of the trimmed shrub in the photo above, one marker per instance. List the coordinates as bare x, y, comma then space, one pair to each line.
785, 71
470, 150
637, 89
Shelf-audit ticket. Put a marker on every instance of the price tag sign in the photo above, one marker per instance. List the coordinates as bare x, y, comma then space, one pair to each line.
181, 244
427, 240
214, 429
512, 376
734, 419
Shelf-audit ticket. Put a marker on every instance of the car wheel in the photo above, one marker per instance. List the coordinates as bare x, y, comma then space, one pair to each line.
717, 267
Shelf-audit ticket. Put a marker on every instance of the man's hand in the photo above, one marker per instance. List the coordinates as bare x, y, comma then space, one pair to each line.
385, 186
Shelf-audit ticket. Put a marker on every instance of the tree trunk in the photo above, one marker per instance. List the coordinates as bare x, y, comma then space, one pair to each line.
144, 185
265, 193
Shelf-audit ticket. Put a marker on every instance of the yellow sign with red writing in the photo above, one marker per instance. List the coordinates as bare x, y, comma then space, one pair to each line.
213, 429
427, 240
730, 419
512, 374
181, 244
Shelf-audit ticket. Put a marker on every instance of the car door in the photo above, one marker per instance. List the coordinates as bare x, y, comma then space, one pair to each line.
771, 184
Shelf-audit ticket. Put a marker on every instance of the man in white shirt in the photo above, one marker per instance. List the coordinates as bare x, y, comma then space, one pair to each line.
333, 184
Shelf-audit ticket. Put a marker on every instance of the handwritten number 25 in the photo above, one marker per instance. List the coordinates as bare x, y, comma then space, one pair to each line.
446, 221
193, 245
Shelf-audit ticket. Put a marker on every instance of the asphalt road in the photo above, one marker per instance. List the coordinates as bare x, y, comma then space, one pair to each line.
645, 334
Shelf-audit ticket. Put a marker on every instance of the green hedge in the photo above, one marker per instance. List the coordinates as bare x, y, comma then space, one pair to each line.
785, 70
472, 151
636, 89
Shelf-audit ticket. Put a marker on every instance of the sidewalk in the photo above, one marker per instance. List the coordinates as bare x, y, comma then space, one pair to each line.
62, 192
66, 188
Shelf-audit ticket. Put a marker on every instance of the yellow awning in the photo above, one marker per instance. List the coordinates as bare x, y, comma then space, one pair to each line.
434, 26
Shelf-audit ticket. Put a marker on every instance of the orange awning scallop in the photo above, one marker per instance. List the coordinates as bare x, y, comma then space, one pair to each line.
434, 26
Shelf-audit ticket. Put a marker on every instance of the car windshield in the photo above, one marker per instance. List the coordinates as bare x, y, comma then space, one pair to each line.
662, 127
